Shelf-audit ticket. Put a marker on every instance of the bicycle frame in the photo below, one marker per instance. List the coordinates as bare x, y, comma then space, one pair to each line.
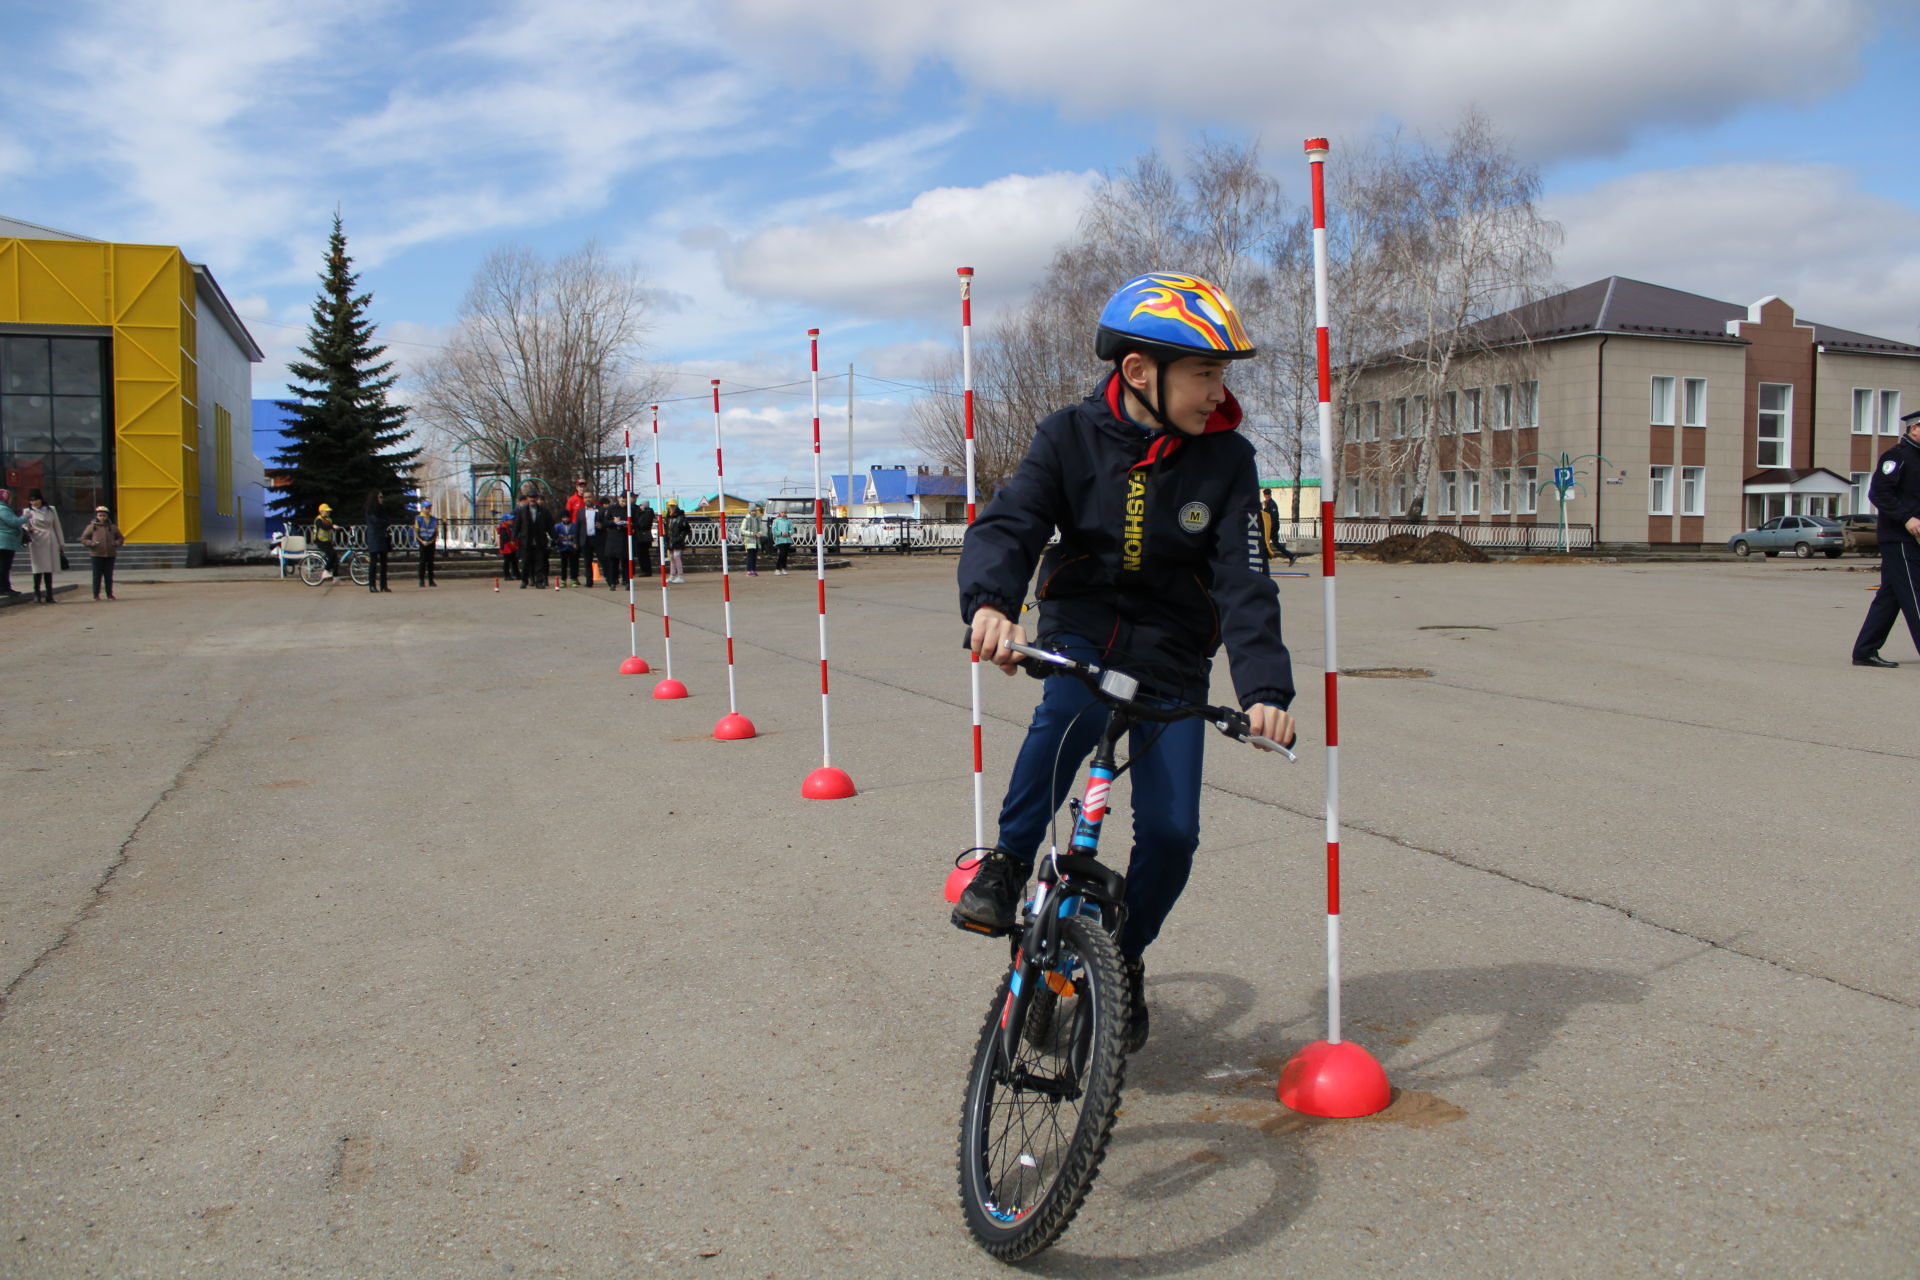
1078, 883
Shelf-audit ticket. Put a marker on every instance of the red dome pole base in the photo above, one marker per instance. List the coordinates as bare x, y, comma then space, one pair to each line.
733, 726
827, 783
635, 666
962, 875
669, 688
1336, 1081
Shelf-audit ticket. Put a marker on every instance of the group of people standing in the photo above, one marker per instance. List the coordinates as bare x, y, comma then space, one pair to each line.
759, 534
587, 531
36, 529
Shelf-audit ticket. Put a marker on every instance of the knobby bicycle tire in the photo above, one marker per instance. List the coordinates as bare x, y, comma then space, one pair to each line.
1028, 1158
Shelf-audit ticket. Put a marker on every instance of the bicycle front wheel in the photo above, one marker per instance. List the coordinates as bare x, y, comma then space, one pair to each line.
1034, 1130
360, 568
312, 567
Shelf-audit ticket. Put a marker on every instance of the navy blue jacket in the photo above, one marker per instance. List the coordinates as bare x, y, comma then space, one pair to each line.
1895, 491
1160, 556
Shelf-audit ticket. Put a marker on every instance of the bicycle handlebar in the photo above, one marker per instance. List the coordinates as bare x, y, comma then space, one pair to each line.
1119, 687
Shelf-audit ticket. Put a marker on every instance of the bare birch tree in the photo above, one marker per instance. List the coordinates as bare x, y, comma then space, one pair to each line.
545, 365
1453, 237
1220, 221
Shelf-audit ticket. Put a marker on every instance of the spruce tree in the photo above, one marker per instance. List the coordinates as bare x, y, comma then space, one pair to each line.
344, 437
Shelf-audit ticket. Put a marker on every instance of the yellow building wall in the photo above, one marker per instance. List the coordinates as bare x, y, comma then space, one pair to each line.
144, 295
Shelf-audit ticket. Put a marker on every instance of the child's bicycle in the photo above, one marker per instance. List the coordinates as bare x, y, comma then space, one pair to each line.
1046, 1075
357, 565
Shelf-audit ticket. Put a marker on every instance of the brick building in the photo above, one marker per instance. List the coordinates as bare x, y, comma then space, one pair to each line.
1711, 417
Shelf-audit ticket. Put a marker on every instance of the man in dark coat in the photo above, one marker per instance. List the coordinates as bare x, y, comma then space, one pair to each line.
533, 530
1895, 494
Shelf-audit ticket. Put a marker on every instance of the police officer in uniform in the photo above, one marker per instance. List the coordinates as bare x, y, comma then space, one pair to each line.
1895, 492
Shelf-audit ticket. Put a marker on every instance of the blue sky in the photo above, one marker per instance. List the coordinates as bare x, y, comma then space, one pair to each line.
776, 165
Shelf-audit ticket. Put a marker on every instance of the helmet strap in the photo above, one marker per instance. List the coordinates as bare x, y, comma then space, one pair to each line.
1156, 406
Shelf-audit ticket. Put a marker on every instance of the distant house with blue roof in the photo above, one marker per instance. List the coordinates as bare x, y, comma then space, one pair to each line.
919, 493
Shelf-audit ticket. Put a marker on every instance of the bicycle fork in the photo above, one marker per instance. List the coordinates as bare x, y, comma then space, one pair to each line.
1035, 956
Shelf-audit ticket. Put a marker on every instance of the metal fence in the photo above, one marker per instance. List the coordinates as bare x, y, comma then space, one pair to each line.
896, 536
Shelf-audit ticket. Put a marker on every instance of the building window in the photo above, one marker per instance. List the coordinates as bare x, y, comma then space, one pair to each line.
1775, 425
54, 431
1470, 411
1662, 408
1450, 412
1502, 407
1350, 421
1371, 431
1693, 491
1529, 495
1449, 492
1527, 405
1500, 501
1420, 415
1353, 496
1371, 496
1660, 491
1400, 418
1693, 402
1864, 402
1470, 493
1862, 505
1889, 413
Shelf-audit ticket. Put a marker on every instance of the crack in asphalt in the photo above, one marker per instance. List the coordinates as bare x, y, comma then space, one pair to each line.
1568, 896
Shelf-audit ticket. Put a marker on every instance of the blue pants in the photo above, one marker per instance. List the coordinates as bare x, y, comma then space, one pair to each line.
1166, 766
1899, 586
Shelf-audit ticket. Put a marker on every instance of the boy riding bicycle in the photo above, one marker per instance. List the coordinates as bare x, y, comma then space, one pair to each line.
1160, 558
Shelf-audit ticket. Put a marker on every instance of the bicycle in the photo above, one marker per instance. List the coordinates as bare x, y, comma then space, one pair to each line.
356, 564
1046, 1076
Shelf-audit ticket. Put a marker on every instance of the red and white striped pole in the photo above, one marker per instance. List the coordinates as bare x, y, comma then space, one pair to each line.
963, 871
1332, 1077
966, 388
826, 782
636, 665
731, 725
669, 687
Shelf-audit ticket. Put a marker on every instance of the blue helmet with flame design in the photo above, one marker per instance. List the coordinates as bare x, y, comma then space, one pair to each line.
1168, 315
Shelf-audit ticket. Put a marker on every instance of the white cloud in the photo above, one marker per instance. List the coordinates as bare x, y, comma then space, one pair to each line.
1739, 232
894, 262
1561, 78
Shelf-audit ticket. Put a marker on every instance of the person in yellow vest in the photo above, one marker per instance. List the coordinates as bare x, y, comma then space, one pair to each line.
323, 530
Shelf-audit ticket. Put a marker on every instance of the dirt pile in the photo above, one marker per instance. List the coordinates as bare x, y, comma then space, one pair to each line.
1435, 548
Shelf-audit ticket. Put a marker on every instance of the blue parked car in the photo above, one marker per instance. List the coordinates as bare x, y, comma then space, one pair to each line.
1804, 534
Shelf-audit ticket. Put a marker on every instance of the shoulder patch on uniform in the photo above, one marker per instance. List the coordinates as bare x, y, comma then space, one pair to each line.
1889, 466
1194, 516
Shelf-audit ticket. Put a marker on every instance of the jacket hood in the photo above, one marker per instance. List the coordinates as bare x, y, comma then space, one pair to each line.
1164, 442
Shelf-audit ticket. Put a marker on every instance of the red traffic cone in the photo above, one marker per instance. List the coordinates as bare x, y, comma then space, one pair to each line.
1337, 1080
732, 727
669, 688
634, 666
827, 783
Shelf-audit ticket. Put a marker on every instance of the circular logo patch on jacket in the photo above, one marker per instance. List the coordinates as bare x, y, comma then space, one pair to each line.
1194, 517
1887, 466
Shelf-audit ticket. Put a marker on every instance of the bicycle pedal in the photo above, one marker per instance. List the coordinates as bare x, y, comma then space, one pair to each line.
972, 926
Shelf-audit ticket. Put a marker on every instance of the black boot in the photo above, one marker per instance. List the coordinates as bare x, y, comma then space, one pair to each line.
1136, 1033
991, 902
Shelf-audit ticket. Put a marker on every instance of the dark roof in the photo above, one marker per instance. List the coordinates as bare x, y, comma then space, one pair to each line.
1786, 475
1619, 305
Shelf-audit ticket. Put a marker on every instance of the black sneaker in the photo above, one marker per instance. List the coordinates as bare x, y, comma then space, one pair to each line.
1136, 1033
991, 901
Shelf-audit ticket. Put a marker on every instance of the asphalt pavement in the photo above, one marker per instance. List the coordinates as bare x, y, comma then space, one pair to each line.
399, 935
